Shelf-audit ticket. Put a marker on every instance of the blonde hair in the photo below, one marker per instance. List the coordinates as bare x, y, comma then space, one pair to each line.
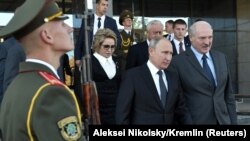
100, 36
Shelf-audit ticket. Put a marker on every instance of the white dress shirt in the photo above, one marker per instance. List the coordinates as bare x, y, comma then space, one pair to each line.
107, 64
155, 76
177, 45
95, 28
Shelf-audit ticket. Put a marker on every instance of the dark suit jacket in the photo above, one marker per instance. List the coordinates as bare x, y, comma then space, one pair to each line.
137, 55
206, 105
11, 55
80, 44
186, 42
3, 54
139, 103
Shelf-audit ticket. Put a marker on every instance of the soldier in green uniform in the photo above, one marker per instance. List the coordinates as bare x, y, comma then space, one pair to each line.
126, 20
127, 35
37, 105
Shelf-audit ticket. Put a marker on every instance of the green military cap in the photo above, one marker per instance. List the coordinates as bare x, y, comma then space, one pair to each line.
30, 15
125, 14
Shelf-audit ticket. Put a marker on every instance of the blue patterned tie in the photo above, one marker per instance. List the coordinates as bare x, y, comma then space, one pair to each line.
162, 88
207, 70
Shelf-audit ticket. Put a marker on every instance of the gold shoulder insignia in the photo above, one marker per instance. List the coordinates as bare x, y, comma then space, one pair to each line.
70, 128
50, 78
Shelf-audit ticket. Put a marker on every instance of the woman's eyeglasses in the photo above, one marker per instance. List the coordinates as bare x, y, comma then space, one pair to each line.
109, 46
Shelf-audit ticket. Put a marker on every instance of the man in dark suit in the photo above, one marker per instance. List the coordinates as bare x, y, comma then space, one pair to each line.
205, 79
138, 53
15, 55
150, 93
3, 53
180, 42
105, 22
79, 51
37, 105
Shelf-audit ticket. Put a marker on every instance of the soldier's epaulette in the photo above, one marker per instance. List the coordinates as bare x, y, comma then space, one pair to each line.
50, 78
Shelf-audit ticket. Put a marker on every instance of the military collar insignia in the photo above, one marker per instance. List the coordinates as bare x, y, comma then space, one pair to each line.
50, 78
70, 128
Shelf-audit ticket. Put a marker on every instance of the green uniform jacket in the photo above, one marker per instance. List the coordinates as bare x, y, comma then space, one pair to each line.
127, 40
37, 106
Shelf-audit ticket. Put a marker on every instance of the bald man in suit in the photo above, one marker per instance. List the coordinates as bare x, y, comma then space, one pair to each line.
205, 79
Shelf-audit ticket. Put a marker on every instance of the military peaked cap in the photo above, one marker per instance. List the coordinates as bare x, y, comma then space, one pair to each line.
125, 14
30, 15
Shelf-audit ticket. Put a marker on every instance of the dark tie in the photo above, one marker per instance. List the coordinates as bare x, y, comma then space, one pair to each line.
207, 70
99, 23
181, 48
162, 88
169, 37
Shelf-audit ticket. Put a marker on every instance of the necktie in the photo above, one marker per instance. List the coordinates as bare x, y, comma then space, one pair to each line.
163, 88
181, 48
99, 23
207, 70
169, 37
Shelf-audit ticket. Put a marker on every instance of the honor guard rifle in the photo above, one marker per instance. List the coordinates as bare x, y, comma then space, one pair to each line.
89, 93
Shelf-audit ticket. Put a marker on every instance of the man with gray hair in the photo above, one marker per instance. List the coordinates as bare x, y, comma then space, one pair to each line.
206, 80
138, 53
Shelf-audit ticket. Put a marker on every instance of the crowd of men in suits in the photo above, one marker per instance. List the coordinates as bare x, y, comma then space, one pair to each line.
207, 93
192, 97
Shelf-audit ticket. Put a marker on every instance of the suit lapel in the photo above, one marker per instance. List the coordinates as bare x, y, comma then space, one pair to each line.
107, 23
216, 65
145, 49
193, 60
148, 79
170, 87
91, 31
174, 48
187, 42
